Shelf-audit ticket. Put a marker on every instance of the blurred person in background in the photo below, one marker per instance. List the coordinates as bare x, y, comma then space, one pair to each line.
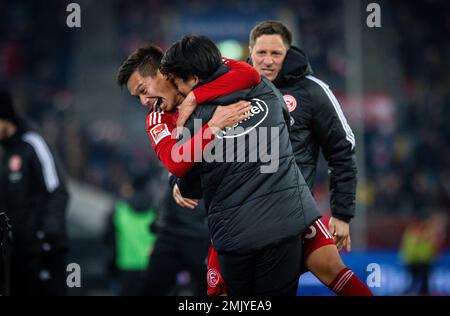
5, 243
181, 246
130, 238
420, 247
34, 195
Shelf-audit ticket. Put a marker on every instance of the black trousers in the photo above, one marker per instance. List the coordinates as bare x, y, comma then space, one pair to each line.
131, 282
172, 255
420, 274
42, 274
270, 272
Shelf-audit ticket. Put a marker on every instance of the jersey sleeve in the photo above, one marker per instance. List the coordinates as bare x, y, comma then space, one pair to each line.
241, 76
337, 143
159, 128
177, 158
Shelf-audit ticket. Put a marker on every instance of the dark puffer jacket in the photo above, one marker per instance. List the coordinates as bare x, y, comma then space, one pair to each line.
33, 191
253, 203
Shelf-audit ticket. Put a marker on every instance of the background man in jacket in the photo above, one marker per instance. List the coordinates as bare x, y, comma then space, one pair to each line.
33, 194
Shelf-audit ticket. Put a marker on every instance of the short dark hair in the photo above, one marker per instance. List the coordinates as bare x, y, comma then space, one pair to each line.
271, 27
146, 60
192, 55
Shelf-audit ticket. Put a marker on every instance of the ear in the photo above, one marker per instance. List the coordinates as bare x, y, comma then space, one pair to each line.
194, 80
250, 49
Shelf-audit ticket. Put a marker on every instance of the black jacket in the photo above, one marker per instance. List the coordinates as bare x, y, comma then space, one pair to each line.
182, 222
250, 207
33, 191
318, 123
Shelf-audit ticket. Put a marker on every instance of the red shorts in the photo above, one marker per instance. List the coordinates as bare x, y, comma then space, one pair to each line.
315, 237
216, 285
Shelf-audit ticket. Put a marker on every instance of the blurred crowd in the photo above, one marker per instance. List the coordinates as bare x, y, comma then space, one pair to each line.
408, 162
36, 64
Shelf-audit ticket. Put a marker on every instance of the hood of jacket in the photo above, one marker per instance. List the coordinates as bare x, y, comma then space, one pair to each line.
296, 65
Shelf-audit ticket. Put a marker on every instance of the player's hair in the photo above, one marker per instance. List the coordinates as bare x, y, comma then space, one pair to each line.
192, 55
145, 60
270, 28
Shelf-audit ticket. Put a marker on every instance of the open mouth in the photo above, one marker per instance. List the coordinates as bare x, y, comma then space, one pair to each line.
162, 104
267, 71
158, 102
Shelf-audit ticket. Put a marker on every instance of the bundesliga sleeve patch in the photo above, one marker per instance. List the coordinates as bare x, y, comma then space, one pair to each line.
159, 132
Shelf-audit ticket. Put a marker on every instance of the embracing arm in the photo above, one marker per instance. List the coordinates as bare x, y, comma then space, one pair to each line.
241, 76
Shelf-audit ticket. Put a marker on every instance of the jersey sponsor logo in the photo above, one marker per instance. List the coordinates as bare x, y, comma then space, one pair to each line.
213, 277
159, 132
259, 112
290, 101
15, 163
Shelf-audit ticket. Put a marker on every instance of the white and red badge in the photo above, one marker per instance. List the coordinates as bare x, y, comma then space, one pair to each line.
290, 102
15, 163
159, 132
213, 277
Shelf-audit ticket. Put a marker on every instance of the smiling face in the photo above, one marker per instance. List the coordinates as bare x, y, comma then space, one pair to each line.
268, 54
150, 90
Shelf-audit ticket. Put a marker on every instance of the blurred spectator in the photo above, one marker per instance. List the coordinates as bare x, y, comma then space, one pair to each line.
406, 165
5, 255
129, 237
33, 194
182, 246
421, 244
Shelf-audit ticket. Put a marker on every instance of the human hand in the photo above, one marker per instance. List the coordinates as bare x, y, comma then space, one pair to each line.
227, 116
340, 231
184, 202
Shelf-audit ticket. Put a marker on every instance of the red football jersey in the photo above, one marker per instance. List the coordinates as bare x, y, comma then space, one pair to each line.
178, 159
241, 76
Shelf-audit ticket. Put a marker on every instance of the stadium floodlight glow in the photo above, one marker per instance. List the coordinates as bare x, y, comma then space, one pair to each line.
231, 49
